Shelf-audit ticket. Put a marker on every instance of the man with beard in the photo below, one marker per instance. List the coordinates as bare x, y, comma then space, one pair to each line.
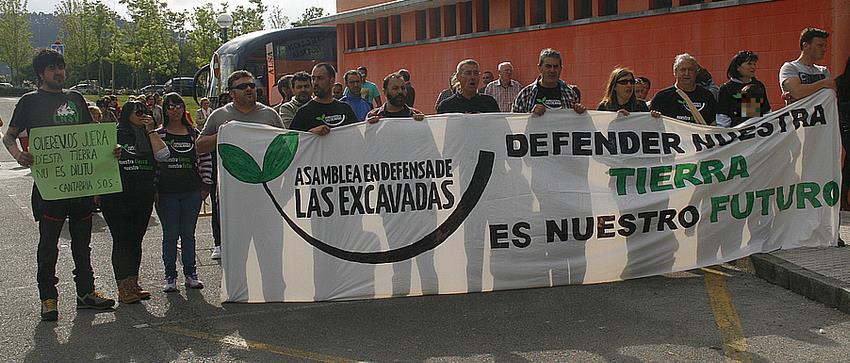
548, 91
323, 112
467, 99
302, 88
47, 106
396, 91
244, 107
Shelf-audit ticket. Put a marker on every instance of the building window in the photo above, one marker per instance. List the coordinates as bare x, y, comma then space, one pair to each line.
395, 29
560, 11
350, 40
690, 2
660, 4
371, 32
609, 7
421, 25
360, 30
482, 18
517, 13
465, 17
450, 21
383, 31
538, 11
434, 23
584, 8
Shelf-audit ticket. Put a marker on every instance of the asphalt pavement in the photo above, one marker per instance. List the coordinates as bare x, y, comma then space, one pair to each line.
717, 314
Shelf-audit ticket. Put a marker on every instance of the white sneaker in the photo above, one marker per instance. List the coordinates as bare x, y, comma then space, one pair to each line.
170, 284
192, 282
216, 253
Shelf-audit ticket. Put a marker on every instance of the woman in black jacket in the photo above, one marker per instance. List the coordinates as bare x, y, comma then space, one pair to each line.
127, 213
741, 73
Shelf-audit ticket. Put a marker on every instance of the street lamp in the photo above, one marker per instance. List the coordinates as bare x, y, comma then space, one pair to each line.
224, 22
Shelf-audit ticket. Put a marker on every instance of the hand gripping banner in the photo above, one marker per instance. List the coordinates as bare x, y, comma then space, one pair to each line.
470, 203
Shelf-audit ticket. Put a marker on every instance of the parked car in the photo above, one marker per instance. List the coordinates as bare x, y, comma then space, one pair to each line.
181, 85
152, 88
85, 88
6, 85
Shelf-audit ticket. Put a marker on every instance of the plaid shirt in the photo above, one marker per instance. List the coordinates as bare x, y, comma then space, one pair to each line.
527, 98
504, 96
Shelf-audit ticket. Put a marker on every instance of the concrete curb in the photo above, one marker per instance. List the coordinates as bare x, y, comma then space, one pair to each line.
827, 290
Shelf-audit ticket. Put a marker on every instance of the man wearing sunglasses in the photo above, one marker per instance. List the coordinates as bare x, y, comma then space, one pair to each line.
245, 108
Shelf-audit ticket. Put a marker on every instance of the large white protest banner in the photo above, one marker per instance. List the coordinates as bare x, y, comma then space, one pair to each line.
469, 203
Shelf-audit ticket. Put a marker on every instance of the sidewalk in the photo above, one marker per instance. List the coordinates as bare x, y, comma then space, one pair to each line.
821, 274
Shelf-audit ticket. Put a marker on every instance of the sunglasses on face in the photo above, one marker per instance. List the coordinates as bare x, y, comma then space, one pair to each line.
626, 81
245, 86
175, 106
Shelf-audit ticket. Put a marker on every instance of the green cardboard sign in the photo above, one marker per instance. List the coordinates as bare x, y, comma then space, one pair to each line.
75, 160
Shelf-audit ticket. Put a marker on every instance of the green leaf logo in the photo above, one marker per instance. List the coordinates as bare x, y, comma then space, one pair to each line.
321, 118
276, 160
541, 100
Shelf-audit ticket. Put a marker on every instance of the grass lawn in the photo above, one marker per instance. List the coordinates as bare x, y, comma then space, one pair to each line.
191, 106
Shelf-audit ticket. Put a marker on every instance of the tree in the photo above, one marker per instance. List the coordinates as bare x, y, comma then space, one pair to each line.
313, 12
15, 47
150, 39
247, 19
105, 27
76, 31
276, 19
203, 39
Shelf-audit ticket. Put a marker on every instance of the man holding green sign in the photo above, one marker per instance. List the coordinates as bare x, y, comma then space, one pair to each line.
50, 105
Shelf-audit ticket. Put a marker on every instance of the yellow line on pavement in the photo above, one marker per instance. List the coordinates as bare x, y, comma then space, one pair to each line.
731, 331
253, 345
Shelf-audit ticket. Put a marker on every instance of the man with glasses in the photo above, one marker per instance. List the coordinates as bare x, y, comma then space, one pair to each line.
467, 99
684, 100
360, 107
245, 108
548, 91
323, 112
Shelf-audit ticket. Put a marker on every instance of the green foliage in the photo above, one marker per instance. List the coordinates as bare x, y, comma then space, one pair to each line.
204, 37
248, 19
313, 12
150, 38
15, 47
77, 33
277, 158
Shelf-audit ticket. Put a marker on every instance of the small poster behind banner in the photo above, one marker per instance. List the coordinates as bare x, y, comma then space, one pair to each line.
75, 160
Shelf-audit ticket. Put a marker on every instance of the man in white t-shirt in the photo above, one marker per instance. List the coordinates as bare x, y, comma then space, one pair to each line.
802, 77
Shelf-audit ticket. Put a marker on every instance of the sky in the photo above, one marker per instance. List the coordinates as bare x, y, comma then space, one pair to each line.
291, 8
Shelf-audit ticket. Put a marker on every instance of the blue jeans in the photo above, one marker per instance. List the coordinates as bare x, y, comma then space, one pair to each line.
178, 213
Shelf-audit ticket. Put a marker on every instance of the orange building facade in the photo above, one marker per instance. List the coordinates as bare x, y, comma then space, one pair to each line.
429, 37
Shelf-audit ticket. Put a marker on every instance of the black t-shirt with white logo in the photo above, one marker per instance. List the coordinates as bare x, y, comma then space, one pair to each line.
137, 169
479, 103
41, 108
549, 97
670, 104
315, 114
178, 173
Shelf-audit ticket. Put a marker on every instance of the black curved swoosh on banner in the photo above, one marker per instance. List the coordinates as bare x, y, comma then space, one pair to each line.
470, 198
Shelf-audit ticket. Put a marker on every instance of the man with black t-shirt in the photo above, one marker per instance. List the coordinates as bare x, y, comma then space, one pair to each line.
50, 105
467, 99
395, 88
670, 102
323, 112
548, 91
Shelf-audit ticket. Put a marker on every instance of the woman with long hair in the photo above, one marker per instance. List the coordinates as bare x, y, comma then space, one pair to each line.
741, 73
127, 213
183, 182
620, 93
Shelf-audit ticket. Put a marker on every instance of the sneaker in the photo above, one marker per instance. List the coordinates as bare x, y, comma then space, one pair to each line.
170, 284
94, 300
216, 253
48, 310
192, 282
